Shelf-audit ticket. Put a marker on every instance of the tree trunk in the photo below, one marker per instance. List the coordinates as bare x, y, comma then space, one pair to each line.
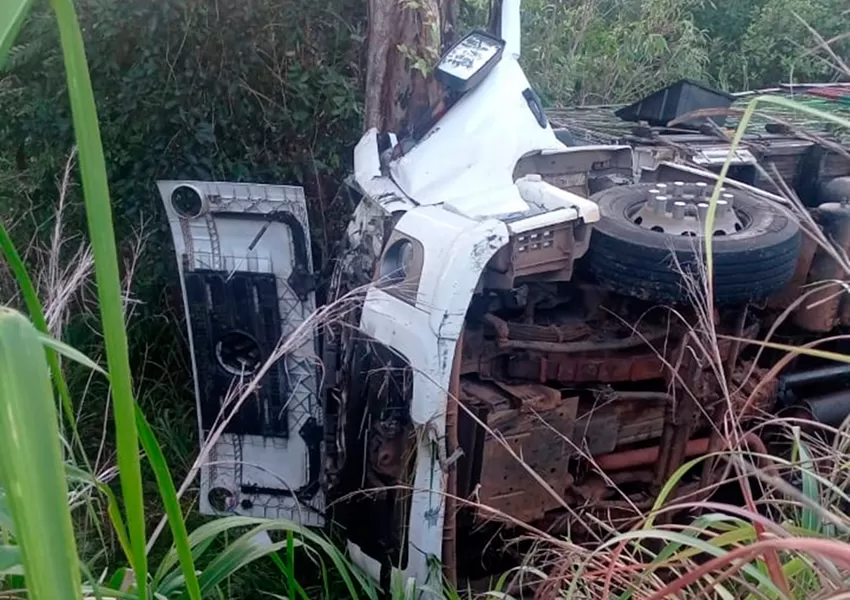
405, 41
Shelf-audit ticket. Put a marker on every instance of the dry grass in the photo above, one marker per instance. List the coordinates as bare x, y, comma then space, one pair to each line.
788, 539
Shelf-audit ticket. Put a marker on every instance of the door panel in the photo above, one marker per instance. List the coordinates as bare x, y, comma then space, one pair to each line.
243, 253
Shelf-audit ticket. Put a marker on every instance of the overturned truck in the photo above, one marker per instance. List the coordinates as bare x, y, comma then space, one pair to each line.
512, 340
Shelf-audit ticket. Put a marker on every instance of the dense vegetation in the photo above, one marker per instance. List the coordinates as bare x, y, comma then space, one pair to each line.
271, 91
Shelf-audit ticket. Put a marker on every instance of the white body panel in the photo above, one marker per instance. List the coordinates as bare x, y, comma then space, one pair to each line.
456, 251
466, 162
216, 240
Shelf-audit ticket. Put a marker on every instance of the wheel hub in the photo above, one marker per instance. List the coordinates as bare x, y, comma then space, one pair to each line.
680, 209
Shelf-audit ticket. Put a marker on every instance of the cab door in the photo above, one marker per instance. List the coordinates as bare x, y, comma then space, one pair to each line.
243, 254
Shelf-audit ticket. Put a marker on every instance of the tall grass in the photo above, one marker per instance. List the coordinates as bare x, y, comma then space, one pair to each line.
39, 535
36, 490
791, 542
799, 550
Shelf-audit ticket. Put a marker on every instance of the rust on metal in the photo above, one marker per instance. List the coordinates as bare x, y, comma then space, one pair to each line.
545, 367
641, 457
608, 360
844, 316
820, 310
540, 333
502, 331
387, 449
746, 380
619, 418
679, 417
530, 422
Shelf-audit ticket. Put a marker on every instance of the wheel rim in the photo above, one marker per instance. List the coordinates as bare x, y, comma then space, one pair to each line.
680, 209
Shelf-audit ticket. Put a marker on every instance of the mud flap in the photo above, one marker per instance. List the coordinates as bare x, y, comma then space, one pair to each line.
243, 252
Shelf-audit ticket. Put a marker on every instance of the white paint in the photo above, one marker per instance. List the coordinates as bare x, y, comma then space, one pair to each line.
215, 240
456, 252
371, 566
370, 178
511, 28
537, 192
467, 160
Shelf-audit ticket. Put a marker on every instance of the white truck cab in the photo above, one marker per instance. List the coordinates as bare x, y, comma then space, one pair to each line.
454, 310
457, 209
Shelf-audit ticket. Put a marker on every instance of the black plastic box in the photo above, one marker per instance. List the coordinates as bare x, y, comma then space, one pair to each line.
676, 100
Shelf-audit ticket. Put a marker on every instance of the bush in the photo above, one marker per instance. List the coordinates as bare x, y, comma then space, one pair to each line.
595, 52
761, 43
258, 90
255, 89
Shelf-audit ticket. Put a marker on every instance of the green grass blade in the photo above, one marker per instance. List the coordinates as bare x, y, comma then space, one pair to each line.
102, 237
36, 311
243, 551
708, 233
246, 550
75, 474
200, 539
736, 531
31, 466
800, 452
668, 488
12, 15
287, 569
68, 352
642, 536
171, 503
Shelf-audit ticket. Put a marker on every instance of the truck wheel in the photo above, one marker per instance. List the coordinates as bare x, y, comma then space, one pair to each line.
646, 238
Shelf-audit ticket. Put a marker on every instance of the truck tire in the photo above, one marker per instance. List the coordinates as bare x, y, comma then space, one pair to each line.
749, 265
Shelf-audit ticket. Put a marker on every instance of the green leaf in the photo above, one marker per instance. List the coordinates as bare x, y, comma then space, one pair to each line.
31, 466
237, 555
246, 549
171, 503
69, 352
800, 452
36, 311
12, 15
75, 474
199, 541
102, 237
639, 537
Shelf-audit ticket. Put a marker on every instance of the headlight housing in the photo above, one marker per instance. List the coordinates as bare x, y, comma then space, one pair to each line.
397, 261
400, 267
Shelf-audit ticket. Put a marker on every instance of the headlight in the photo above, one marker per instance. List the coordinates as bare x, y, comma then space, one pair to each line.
397, 262
400, 267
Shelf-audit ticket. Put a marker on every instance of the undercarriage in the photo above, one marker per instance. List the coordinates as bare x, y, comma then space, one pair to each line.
576, 402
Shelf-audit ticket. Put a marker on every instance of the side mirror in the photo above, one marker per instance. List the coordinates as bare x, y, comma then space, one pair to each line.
466, 63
